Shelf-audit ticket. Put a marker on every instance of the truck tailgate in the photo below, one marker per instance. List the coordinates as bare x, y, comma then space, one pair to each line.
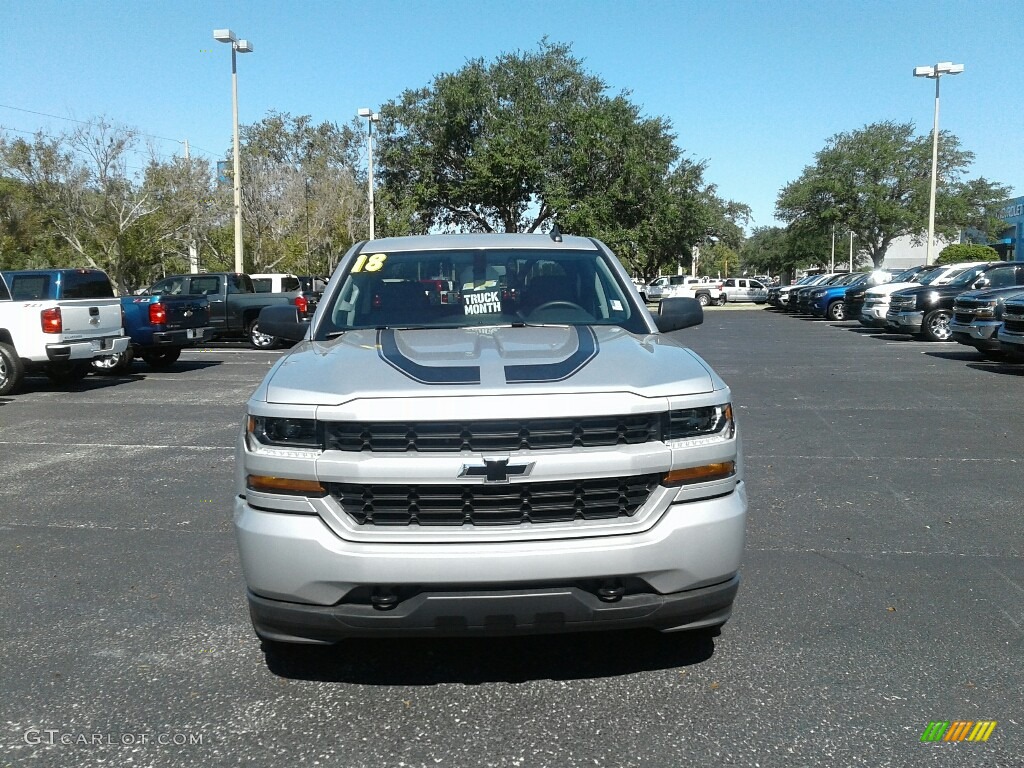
90, 318
181, 312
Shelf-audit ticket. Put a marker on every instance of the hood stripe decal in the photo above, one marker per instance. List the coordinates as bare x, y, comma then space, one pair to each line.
586, 350
389, 352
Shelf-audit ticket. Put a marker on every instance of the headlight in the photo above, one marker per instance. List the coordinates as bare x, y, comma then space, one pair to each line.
987, 310
285, 433
904, 302
817, 294
711, 421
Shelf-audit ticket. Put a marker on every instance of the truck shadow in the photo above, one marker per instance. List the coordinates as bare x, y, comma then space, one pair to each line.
474, 661
1003, 368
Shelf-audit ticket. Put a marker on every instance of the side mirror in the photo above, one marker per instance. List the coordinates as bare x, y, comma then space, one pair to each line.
283, 321
981, 282
677, 313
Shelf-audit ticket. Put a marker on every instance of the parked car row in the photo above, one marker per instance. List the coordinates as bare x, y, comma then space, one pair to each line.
707, 290
980, 304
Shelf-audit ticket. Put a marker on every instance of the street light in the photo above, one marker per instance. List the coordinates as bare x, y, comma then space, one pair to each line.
237, 46
936, 72
371, 118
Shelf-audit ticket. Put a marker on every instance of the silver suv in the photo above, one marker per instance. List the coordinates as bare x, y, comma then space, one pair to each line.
487, 434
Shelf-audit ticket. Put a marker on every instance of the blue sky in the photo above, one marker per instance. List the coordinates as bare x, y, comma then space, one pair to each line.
753, 88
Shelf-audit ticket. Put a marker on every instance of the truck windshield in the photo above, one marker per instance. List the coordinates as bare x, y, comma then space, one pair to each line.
480, 288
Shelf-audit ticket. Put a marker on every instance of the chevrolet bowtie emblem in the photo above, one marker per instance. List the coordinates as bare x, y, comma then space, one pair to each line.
496, 470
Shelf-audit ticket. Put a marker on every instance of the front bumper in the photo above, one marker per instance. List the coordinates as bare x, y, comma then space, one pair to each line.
980, 334
1011, 342
905, 322
87, 349
873, 315
308, 584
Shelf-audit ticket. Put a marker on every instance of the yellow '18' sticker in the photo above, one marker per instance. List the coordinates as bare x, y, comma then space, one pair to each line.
369, 263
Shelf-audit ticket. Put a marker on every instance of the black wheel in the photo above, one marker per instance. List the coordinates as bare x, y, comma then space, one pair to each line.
720, 302
936, 325
837, 310
162, 358
260, 340
12, 371
113, 365
704, 299
67, 372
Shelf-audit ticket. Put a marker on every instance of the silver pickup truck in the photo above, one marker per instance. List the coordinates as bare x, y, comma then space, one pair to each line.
527, 452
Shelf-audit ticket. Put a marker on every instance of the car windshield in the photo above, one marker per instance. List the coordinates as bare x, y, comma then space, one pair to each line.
967, 276
480, 288
906, 276
934, 275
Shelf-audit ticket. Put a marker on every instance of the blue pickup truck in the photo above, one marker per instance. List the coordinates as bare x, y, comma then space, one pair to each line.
159, 328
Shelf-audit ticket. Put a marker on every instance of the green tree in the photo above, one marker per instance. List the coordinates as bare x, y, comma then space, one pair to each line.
957, 252
516, 144
301, 200
875, 182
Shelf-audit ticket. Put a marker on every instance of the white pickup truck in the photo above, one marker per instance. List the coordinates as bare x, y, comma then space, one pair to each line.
56, 320
706, 290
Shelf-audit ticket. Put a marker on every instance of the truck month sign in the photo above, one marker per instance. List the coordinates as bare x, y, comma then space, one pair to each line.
482, 302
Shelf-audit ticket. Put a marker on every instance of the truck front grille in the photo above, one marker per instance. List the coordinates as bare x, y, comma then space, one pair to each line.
966, 318
498, 435
498, 504
1013, 326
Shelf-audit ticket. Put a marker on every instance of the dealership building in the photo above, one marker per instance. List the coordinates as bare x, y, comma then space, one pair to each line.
1009, 241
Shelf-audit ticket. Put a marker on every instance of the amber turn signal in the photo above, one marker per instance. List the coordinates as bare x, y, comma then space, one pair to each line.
702, 474
269, 484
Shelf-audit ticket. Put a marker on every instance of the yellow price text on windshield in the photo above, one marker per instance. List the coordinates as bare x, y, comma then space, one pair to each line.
369, 263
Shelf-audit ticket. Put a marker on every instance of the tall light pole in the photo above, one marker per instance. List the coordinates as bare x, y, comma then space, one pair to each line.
371, 118
237, 46
833, 266
935, 73
851, 250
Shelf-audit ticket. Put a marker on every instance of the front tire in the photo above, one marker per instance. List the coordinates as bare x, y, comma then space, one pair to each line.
837, 311
936, 325
12, 370
260, 340
162, 358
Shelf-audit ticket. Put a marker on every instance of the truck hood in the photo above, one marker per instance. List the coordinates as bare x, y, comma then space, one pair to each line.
486, 361
887, 289
999, 294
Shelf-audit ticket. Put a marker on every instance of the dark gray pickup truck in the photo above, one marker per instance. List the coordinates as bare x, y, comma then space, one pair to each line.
234, 303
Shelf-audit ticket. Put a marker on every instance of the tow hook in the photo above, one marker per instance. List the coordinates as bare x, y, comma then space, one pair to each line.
383, 600
611, 591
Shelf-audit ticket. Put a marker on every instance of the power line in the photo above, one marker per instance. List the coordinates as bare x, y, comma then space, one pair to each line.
87, 122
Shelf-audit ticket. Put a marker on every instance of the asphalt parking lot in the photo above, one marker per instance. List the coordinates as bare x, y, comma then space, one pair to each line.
883, 587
